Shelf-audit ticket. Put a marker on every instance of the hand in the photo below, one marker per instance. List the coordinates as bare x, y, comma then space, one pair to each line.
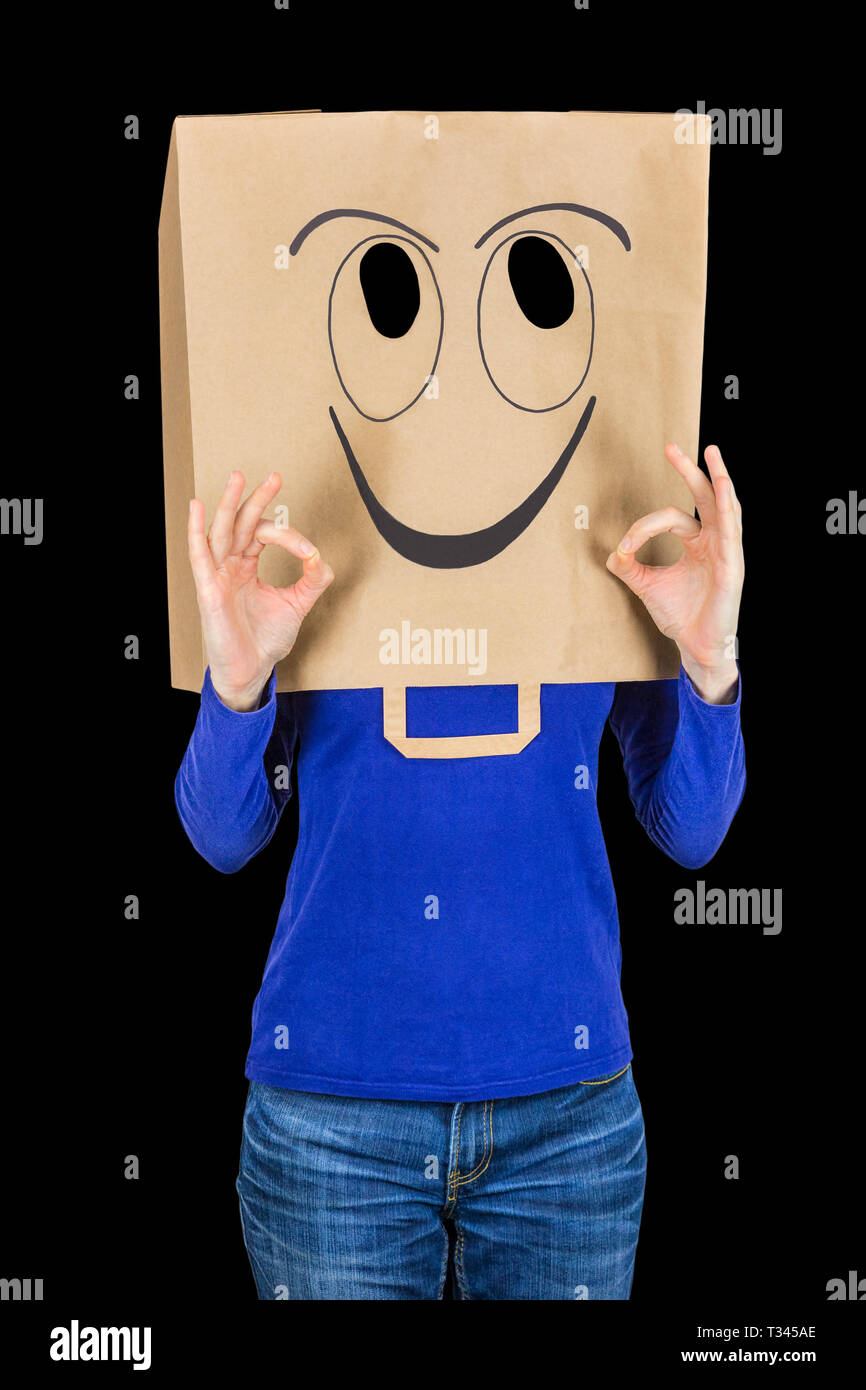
695, 601
248, 625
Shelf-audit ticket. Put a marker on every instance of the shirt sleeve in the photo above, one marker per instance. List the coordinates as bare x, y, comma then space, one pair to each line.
685, 764
224, 796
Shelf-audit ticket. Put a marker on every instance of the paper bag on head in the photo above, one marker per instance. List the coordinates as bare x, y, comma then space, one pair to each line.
463, 341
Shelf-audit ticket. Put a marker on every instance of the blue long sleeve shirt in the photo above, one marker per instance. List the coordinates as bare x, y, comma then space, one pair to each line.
449, 929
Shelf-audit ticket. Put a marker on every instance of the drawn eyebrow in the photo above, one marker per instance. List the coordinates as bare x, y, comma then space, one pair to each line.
610, 222
315, 222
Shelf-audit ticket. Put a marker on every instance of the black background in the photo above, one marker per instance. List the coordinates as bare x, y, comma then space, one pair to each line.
744, 1044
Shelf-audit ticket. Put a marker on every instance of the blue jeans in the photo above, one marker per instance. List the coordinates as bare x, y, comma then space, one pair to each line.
540, 1195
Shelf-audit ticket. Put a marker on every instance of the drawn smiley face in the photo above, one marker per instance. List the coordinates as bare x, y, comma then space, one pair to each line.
550, 293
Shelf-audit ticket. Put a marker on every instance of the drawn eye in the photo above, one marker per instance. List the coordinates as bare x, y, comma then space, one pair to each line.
536, 321
391, 290
385, 325
542, 285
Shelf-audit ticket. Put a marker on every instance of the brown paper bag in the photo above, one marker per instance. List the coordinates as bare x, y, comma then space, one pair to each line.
463, 340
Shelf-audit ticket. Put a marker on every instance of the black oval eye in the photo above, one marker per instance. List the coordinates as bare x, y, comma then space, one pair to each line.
391, 289
541, 283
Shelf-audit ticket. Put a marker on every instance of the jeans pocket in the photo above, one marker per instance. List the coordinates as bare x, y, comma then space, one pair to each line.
605, 1078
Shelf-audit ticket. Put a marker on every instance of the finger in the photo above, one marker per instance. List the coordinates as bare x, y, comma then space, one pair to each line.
672, 519
699, 486
317, 574
715, 463
719, 474
622, 562
723, 486
250, 513
726, 500
222, 526
200, 558
289, 537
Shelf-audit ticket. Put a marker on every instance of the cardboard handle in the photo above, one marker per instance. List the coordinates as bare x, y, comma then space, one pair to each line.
461, 745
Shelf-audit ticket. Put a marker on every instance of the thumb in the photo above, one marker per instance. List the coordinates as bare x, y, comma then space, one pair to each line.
311, 585
623, 564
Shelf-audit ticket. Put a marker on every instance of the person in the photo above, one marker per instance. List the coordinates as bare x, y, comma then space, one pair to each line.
440, 1079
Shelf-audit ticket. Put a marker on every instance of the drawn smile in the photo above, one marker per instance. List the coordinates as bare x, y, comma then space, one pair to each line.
440, 551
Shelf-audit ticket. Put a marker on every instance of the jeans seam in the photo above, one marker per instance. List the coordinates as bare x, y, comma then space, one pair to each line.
604, 1081
458, 1264
455, 1172
484, 1162
443, 1276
